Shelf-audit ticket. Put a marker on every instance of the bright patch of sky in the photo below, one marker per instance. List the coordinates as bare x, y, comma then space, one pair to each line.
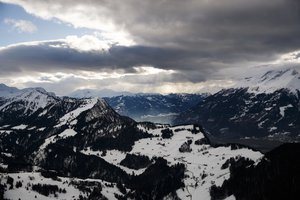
17, 26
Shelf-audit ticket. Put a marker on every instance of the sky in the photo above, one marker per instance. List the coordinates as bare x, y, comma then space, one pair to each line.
164, 46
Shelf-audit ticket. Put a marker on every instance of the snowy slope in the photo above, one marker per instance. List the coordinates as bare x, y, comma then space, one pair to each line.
68, 185
65, 134
203, 159
30, 100
70, 118
203, 163
267, 79
264, 104
35, 108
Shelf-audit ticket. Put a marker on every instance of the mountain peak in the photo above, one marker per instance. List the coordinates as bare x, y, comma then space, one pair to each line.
37, 89
270, 78
7, 91
32, 99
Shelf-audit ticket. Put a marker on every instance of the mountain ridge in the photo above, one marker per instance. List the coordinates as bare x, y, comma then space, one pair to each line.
258, 107
269, 78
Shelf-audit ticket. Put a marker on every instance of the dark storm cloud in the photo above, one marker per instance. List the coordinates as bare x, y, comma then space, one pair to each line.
55, 56
196, 37
226, 30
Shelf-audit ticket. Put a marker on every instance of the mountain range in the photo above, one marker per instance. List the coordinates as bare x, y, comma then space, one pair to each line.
54, 147
266, 106
155, 108
88, 93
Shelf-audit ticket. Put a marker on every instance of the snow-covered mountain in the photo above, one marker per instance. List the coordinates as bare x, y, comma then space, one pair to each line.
28, 100
155, 108
265, 105
268, 79
37, 110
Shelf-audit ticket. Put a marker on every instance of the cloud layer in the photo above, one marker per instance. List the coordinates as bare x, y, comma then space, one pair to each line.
195, 38
87, 53
243, 26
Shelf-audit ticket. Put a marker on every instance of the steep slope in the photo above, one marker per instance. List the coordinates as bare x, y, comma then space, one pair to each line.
277, 172
37, 118
268, 79
34, 107
265, 106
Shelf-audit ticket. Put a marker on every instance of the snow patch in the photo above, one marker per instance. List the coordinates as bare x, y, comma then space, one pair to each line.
42, 129
20, 127
232, 197
65, 134
283, 108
